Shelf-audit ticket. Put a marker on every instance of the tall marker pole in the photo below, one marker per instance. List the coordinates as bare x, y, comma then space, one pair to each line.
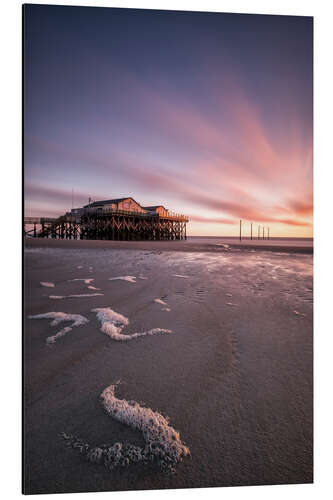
251, 230
240, 230
259, 232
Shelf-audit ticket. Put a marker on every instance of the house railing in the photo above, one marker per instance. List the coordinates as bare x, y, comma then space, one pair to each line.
137, 213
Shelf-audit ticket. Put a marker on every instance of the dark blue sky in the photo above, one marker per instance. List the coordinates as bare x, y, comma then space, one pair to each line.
210, 114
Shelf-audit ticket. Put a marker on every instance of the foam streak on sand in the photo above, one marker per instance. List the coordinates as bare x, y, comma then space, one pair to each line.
180, 276
74, 296
222, 245
87, 281
59, 317
130, 279
160, 301
113, 324
48, 284
163, 444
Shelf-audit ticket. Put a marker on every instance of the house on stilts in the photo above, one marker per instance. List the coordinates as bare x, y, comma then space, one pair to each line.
114, 219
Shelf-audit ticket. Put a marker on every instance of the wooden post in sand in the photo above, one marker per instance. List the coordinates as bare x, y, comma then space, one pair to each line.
263, 232
268, 233
251, 230
259, 232
240, 230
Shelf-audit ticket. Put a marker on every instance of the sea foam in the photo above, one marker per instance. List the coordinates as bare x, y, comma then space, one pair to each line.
163, 445
87, 281
130, 279
113, 324
222, 245
75, 295
160, 301
48, 284
59, 317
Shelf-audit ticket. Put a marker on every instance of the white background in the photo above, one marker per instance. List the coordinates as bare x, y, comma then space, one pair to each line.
10, 263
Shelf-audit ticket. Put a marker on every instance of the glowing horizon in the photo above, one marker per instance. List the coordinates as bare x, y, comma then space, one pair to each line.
208, 115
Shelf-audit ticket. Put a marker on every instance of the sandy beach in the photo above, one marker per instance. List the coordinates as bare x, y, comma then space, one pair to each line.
234, 376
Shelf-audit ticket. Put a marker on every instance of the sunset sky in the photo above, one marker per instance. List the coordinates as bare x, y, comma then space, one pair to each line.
207, 114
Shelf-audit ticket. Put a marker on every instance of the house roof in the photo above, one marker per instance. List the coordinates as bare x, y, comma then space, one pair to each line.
108, 202
154, 207
117, 200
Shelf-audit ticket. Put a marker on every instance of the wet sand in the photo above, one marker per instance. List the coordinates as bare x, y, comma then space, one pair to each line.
234, 377
190, 245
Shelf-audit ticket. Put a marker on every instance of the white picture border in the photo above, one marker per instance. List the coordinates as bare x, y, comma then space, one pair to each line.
11, 78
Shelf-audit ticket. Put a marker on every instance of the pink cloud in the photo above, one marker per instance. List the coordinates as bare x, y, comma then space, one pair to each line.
291, 222
237, 171
198, 218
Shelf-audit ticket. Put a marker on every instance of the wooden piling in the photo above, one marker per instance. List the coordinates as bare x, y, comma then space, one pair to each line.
112, 225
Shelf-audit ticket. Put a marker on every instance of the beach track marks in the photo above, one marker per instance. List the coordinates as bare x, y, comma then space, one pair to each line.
113, 324
59, 317
163, 446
